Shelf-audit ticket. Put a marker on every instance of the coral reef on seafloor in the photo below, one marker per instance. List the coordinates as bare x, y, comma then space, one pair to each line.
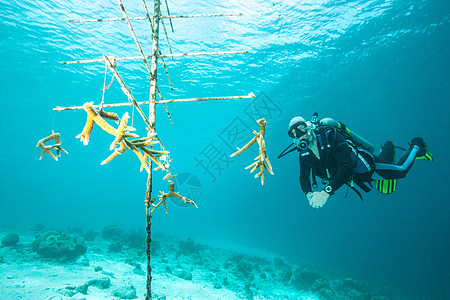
110, 232
10, 240
90, 235
59, 246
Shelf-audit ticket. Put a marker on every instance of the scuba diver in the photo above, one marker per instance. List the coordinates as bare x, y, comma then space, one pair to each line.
329, 150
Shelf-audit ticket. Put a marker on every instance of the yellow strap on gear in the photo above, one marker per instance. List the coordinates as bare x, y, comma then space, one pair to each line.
386, 186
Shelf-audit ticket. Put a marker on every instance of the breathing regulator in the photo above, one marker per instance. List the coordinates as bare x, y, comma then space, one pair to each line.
310, 126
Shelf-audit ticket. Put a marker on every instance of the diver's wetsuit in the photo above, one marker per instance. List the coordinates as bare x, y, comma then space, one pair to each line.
386, 170
334, 157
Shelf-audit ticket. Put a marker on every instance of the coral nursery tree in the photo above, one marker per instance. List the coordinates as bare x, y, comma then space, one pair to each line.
142, 147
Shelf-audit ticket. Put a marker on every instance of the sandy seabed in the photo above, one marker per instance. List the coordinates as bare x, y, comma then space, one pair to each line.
181, 269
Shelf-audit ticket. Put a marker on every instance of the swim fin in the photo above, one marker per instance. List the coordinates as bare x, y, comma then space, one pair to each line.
423, 153
426, 156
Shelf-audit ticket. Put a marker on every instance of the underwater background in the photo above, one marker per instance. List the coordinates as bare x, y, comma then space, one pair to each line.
380, 67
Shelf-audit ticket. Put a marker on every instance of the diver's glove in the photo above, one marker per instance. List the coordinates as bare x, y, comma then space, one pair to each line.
318, 199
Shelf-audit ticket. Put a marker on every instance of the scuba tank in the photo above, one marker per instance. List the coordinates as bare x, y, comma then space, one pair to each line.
353, 136
315, 123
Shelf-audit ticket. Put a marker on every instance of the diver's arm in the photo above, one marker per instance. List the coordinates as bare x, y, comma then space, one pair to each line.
341, 155
305, 170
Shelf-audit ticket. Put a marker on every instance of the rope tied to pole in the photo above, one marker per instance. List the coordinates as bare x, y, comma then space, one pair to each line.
148, 213
104, 86
104, 89
53, 121
253, 108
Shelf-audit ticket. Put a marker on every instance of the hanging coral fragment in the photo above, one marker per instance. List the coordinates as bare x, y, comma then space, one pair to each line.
138, 145
142, 147
56, 146
262, 160
122, 131
109, 115
164, 196
84, 135
94, 116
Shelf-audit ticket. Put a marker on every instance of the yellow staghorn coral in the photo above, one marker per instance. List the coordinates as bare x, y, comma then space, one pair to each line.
121, 131
123, 147
149, 153
137, 146
109, 116
84, 135
169, 176
94, 115
121, 134
262, 160
164, 196
56, 146
153, 155
144, 163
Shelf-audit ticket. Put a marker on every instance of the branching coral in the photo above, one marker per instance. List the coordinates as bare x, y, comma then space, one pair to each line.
121, 131
142, 147
94, 116
262, 160
56, 146
163, 197
138, 145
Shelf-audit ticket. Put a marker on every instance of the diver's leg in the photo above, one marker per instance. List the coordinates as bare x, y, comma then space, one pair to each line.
387, 154
423, 150
391, 171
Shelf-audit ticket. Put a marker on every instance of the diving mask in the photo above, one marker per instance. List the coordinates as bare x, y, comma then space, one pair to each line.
299, 129
299, 132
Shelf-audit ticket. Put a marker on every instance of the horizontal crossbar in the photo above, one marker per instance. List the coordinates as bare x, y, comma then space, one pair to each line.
140, 57
162, 17
249, 96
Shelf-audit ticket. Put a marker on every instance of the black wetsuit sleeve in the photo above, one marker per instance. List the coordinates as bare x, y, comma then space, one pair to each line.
305, 171
341, 157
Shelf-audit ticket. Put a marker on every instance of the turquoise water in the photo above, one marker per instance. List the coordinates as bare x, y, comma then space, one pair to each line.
381, 67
